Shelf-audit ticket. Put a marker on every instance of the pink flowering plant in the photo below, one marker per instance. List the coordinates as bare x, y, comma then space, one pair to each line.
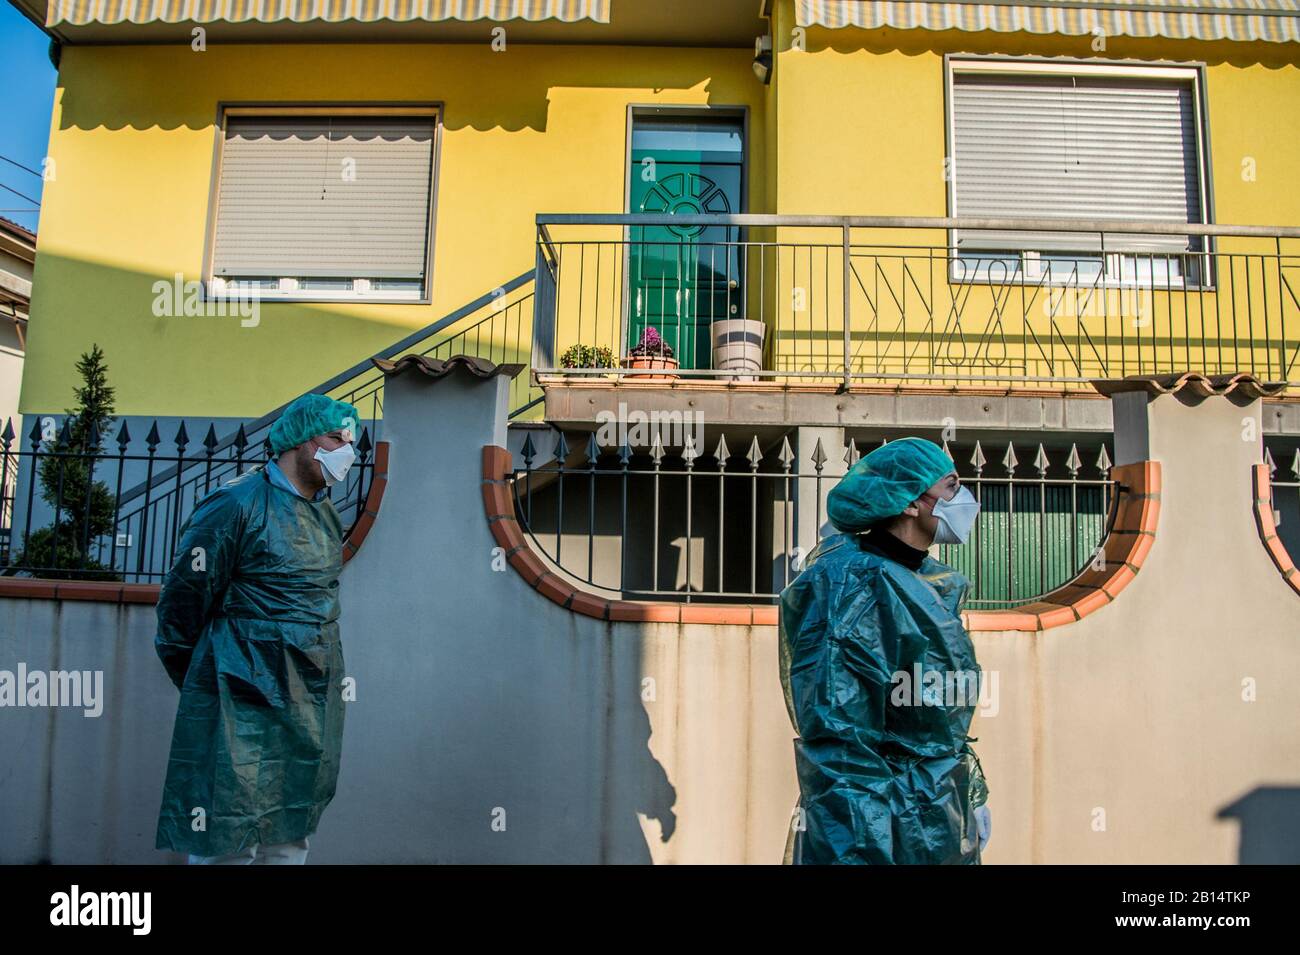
651, 345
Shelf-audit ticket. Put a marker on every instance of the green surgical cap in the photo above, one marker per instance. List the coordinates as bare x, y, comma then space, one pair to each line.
883, 483
309, 416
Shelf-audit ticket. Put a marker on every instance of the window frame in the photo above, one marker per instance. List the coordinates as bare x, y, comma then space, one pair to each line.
1187, 71
288, 292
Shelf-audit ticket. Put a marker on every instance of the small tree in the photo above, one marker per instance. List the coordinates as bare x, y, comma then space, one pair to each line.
84, 508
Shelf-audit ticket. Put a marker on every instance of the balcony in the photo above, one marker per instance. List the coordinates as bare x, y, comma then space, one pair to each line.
864, 303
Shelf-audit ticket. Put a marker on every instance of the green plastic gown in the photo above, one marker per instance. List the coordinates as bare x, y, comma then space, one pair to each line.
880, 783
252, 641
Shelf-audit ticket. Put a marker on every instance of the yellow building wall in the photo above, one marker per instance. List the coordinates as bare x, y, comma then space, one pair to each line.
853, 123
528, 130
860, 122
860, 129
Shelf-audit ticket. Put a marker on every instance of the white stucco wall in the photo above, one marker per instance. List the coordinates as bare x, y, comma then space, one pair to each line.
1118, 739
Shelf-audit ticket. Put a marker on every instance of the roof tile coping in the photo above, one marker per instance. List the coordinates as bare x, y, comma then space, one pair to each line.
1194, 386
109, 591
438, 368
1133, 517
1266, 524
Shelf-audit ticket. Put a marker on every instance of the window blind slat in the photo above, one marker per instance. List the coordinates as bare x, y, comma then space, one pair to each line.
1074, 147
322, 196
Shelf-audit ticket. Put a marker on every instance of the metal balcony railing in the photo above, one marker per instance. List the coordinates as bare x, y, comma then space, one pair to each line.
926, 301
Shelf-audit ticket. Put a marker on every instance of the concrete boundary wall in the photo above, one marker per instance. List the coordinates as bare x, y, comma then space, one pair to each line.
1164, 727
526, 732
493, 725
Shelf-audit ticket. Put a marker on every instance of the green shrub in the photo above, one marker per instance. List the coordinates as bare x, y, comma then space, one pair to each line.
587, 356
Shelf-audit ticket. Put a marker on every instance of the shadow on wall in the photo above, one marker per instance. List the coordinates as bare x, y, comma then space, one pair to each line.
1269, 823
490, 725
525, 748
249, 364
920, 42
482, 89
655, 797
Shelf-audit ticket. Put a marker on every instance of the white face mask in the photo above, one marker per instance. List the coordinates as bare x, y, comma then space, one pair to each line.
334, 464
956, 517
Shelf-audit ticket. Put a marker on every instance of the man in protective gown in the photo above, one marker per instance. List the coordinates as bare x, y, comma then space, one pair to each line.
248, 631
882, 779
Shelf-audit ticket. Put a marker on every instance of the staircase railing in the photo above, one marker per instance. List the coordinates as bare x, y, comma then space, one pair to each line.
496, 325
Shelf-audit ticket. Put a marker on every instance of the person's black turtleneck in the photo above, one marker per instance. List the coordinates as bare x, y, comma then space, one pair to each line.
885, 543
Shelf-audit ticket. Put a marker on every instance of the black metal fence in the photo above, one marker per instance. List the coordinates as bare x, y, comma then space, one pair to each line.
726, 524
64, 513
1285, 493
152, 490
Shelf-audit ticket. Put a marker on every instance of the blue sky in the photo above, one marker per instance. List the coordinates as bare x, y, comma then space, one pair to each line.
28, 80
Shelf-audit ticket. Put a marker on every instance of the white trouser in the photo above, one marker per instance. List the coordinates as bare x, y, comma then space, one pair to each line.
286, 853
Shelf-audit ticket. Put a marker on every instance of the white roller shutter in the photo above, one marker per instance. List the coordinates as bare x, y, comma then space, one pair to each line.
324, 197
1063, 146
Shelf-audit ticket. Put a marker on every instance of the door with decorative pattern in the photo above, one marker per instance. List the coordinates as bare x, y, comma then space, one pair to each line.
683, 278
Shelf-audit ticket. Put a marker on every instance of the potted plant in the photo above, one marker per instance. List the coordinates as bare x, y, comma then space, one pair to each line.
738, 347
587, 356
651, 352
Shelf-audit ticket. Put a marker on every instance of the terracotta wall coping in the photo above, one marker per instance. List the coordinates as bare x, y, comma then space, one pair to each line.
1267, 526
120, 593
498, 502
104, 591
1134, 513
370, 510
1133, 517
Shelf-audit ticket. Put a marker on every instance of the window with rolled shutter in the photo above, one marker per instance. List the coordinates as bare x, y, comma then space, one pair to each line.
1075, 146
325, 204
